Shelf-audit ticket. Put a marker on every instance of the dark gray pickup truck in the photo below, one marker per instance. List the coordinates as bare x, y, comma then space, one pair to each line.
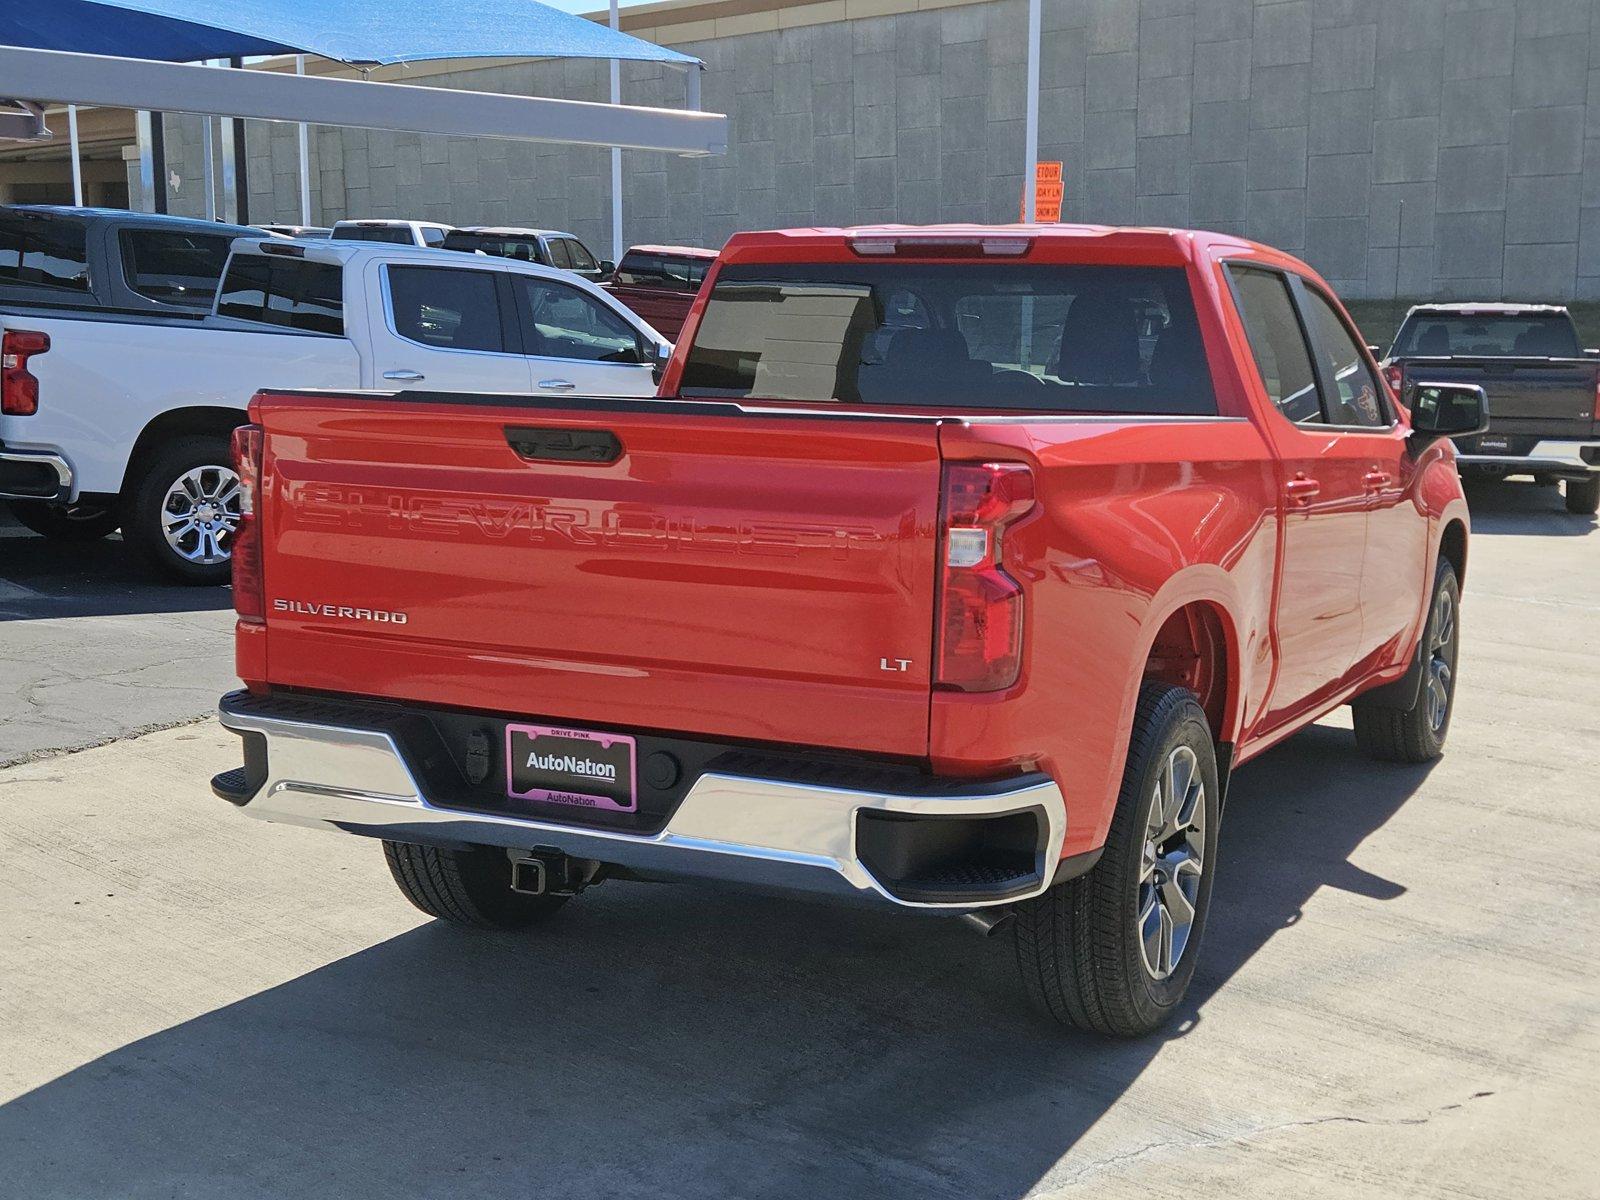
1543, 389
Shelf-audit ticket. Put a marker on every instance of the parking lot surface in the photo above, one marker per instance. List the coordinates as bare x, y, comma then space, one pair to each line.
1396, 998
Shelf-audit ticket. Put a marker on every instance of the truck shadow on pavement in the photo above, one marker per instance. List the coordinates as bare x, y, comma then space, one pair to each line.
40, 578
671, 1042
1523, 507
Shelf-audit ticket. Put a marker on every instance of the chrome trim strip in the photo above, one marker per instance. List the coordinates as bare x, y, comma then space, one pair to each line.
728, 826
62, 468
1546, 455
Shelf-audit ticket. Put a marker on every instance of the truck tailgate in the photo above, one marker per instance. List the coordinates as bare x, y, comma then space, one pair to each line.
1546, 397
731, 574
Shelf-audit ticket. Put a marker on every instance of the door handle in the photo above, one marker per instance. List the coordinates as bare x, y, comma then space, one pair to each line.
558, 385
1302, 489
405, 376
1376, 481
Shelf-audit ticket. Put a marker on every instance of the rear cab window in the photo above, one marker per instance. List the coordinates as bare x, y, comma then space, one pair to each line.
173, 267
650, 270
397, 235
1044, 337
295, 293
38, 251
1489, 335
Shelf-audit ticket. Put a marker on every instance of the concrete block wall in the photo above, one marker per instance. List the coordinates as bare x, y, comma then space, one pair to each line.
1404, 147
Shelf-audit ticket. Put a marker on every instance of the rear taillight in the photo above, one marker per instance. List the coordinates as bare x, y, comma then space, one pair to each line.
1394, 376
1597, 400
249, 585
980, 605
19, 390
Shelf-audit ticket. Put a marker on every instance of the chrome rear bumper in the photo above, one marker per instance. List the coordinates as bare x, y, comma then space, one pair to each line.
34, 475
1548, 457
770, 833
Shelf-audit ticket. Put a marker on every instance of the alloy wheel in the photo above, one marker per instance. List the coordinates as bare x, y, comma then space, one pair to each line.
1172, 864
1441, 660
201, 513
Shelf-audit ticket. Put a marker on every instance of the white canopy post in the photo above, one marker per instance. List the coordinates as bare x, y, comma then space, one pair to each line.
1031, 125
77, 163
616, 152
304, 135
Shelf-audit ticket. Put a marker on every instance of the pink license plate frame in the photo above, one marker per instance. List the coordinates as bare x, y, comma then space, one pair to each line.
568, 765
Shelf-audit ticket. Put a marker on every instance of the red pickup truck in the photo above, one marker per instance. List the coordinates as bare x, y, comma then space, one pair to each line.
953, 569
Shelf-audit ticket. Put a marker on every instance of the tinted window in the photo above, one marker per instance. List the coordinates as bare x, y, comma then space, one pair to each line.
582, 260
1051, 338
43, 252
1538, 335
284, 291
439, 306
375, 233
562, 322
558, 253
174, 268
1277, 343
433, 237
1357, 398
520, 249
661, 271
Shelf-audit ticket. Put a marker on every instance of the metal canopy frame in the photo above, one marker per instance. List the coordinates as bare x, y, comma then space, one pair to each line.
140, 84
22, 121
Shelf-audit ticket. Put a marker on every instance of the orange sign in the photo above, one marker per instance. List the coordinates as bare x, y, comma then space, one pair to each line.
1048, 190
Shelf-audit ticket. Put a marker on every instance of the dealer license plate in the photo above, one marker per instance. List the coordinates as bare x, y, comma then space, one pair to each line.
571, 766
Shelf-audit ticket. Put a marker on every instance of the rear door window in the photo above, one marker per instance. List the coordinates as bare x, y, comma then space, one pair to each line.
959, 335
173, 267
446, 308
1277, 343
295, 293
559, 257
42, 252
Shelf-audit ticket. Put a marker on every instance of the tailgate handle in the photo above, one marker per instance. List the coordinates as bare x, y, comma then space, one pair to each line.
564, 445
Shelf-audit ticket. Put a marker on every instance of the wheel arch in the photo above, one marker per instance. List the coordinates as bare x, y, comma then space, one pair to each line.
175, 423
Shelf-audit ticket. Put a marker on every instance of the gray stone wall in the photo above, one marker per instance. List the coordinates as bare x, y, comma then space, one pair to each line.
1404, 147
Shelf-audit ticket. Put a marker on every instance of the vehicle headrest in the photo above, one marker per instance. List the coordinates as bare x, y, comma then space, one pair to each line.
1099, 342
1434, 342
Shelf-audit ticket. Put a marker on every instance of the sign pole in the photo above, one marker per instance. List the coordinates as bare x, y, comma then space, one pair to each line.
1031, 169
616, 152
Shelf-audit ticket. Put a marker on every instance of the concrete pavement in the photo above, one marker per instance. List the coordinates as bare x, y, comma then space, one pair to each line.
94, 646
1397, 997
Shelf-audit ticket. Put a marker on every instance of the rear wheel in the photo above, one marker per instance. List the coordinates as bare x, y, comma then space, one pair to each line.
184, 510
66, 522
1583, 495
470, 887
1114, 950
1417, 734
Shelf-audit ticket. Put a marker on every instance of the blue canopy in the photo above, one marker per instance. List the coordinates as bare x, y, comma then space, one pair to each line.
354, 31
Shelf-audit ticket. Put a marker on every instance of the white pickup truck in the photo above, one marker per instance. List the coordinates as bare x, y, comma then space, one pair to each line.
116, 419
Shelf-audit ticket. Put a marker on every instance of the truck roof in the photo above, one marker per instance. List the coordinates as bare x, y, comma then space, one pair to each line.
1488, 308
69, 212
1153, 246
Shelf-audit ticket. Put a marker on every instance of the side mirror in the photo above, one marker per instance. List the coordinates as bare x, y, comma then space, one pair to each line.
607, 267
658, 364
1447, 409
1375, 351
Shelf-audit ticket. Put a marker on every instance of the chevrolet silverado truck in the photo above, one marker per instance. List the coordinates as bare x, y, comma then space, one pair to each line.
954, 570
121, 418
1543, 389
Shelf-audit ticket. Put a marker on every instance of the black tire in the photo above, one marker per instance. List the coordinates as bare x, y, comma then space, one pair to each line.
469, 887
1415, 735
1079, 947
1583, 495
66, 522
143, 525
